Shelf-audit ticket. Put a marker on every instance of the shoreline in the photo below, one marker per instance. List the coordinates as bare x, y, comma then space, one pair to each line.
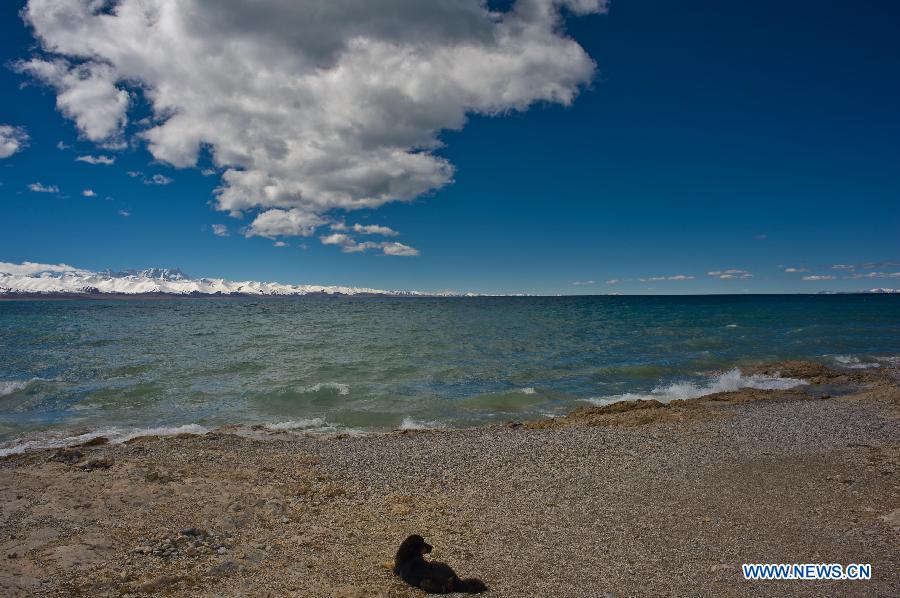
623, 499
805, 376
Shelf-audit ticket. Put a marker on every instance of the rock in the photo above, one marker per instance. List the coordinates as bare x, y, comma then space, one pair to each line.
101, 463
892, 519
194, 532
158, 583
67, 455
222, 550
223, 568
98, 441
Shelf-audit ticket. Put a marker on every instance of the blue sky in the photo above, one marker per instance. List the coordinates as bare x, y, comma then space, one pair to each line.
742, 138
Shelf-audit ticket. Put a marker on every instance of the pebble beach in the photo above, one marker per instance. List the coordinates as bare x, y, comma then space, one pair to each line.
634, 498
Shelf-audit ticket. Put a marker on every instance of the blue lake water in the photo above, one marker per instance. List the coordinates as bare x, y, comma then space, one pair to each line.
332, 363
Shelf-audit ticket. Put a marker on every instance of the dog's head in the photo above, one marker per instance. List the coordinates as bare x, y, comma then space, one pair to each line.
415, 544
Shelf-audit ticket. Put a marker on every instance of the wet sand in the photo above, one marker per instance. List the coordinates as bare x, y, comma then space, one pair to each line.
624, 500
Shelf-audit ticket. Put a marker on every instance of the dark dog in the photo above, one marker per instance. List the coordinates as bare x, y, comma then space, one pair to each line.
431, 576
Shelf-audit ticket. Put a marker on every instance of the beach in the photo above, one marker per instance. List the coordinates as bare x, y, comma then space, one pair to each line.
634, 498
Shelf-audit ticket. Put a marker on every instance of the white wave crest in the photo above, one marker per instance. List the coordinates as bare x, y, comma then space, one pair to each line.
342, 389
299, 424
726, 382
7, 387
115, 436
409, 423
853, 363
528, 390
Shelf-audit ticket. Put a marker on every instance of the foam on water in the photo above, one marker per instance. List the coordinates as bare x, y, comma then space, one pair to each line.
115, 436
7, 387
300, 424
725, 382
342, 389
853, 363
409, 423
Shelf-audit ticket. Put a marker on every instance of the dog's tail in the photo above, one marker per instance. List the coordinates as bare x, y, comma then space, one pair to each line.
471, 586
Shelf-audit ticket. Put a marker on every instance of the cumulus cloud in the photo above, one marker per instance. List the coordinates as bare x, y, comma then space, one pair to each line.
368, 229
157, 179
106, 160
393, 248
220, 230
306, 107
35, 268
89, 193
41, 188
280, 244
350, 245
816, 277
86, 92
294, 222
662, 278
12, 140
730, 274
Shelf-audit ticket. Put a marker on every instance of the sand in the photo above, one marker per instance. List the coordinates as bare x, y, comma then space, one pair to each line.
623, 500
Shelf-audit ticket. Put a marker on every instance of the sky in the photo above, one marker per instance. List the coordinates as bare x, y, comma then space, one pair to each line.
537, 146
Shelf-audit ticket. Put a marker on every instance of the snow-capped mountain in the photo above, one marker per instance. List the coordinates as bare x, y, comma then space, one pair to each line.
32, 278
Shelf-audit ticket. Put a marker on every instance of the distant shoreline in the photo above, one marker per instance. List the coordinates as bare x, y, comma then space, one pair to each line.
165, 296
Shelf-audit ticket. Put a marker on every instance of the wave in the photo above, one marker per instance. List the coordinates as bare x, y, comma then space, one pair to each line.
8, 387
854, 363
725, 382
115, 436
342, 389
409, 423
297, 424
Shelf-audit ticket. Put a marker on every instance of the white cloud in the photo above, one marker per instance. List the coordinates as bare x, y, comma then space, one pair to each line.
579, 283
293, 222
816, 277
392, 248
306, 106
662, 278
731, 274
35, 268
89, 193
41, 188
349, 245
85, 92
613, 281
796, 270
60, 145
843, 267
280, 244
368, 229
877, 275
106, 160
12, 140
157, 179
124, 213
220, 230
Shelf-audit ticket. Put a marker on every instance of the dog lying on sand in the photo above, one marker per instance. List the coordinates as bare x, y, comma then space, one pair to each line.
431, 576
